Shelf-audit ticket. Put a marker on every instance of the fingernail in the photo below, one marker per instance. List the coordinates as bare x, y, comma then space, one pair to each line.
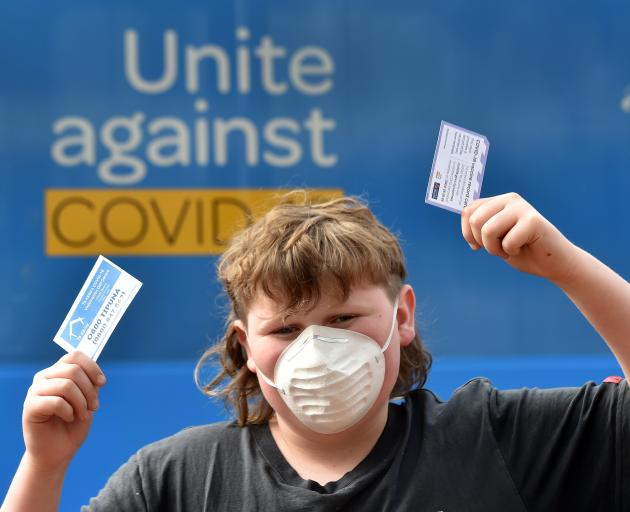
94, 405
473, 246
100, 380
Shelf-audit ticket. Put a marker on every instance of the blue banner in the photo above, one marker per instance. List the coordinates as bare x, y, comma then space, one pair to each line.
149, 131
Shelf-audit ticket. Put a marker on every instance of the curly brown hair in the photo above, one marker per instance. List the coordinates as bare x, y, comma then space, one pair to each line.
290, 254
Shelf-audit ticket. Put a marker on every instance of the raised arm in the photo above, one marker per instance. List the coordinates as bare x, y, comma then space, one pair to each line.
509, 227
57, 417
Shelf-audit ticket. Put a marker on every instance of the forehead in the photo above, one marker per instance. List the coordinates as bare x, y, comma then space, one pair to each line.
265, 308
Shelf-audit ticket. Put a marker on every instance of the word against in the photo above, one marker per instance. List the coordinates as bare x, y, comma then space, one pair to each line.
457, 170
123, 149
101, 303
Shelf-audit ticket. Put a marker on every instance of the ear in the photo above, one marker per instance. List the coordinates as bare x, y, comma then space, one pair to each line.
405, 315
241, 336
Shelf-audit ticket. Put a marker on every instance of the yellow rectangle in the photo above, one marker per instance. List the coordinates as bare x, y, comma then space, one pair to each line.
154, 221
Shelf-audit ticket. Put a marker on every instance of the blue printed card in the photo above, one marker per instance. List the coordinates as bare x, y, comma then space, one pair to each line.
101, 303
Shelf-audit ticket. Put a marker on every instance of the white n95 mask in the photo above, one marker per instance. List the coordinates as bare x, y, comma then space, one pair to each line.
329, 378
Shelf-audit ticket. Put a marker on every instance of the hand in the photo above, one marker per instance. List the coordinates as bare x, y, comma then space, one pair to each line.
58, 410
509, 227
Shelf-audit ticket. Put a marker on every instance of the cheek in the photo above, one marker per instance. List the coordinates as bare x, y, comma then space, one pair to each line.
392, 367
275, 401
264, 360
262, 355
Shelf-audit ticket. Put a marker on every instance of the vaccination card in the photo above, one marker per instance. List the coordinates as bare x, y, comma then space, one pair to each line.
101, 303
457, 170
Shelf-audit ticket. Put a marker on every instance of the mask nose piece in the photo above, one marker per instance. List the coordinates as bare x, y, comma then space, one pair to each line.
328, 339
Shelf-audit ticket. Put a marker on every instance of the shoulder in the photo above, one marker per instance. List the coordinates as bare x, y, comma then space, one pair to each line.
469, 396
576, 434
479, 386
192, 441
481, 389
177, 469
201, 434
479, 397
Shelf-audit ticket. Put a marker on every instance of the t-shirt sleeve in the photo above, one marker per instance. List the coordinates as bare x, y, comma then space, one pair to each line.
123, 490
566, 449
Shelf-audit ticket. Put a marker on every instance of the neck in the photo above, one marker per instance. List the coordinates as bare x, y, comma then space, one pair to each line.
327, 457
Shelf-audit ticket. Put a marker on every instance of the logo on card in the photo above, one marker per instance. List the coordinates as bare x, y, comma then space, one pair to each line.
72, 325
74, 331
436, 190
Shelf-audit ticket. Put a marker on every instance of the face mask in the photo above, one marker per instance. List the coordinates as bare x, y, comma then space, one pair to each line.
329, 378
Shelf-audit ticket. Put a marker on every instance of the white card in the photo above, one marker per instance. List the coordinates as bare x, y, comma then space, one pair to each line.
457, 170
101, 303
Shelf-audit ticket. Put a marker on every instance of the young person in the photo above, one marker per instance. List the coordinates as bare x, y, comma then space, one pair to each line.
320, 337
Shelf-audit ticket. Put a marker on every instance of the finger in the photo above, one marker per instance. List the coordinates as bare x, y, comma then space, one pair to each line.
521, 235
484, 210
40, 409
470, 209
468, 234
495, 228
76, 374
90, 367
66, 389
502, 199
465, 219
481, 215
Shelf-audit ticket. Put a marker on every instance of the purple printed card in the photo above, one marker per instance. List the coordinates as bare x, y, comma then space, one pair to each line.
457, 170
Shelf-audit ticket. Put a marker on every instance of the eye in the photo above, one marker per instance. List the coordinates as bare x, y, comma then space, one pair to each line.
341, 319
285, 330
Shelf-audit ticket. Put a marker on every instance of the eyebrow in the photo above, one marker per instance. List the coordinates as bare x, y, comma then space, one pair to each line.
267, 321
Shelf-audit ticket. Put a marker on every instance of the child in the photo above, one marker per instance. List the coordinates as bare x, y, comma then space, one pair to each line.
321, 335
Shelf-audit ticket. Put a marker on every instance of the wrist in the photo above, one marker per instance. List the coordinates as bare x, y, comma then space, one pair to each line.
37, 468
35, 487
577, 265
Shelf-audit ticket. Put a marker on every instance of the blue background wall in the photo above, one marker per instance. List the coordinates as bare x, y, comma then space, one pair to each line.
548, 84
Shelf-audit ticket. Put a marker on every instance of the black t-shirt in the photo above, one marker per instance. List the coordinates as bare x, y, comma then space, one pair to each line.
483, 450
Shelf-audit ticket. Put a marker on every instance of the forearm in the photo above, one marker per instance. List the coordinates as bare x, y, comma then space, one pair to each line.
603, 297
32, 489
